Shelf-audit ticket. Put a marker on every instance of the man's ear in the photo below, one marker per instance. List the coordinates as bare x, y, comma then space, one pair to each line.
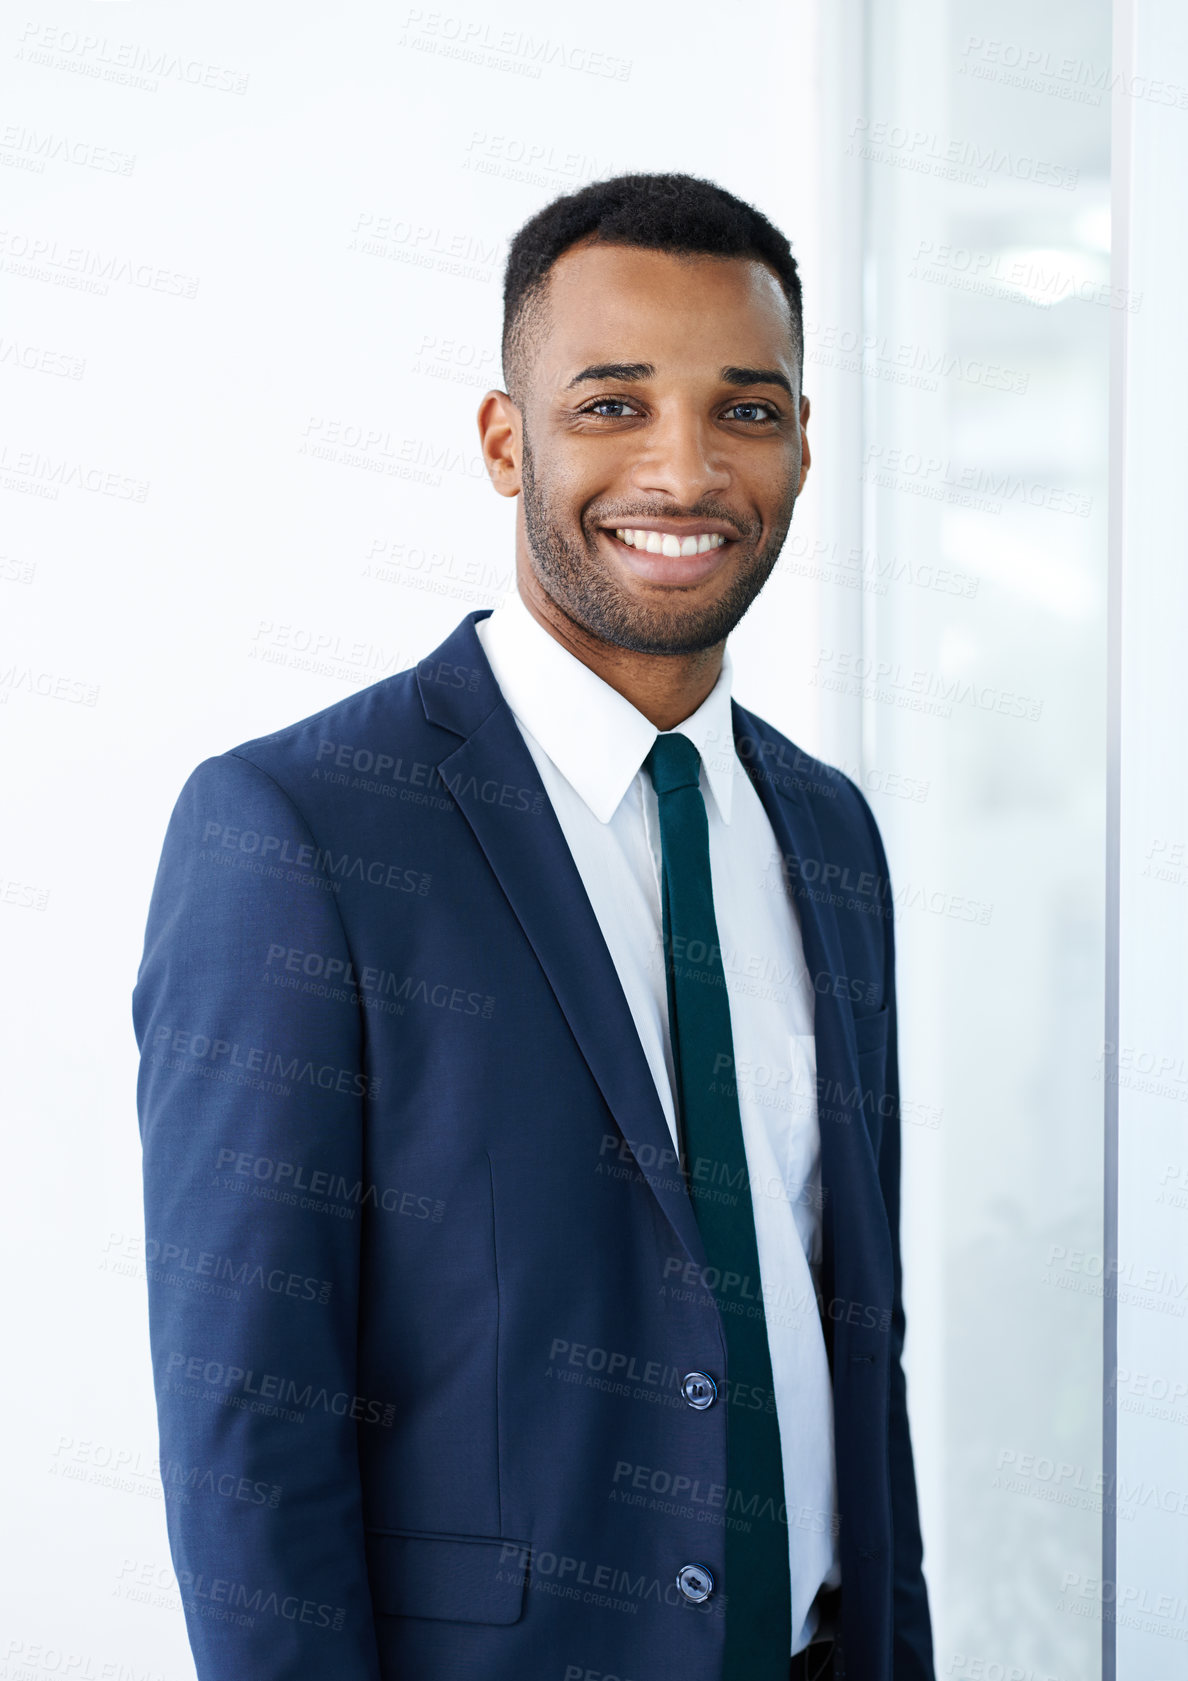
806, 459
500, 433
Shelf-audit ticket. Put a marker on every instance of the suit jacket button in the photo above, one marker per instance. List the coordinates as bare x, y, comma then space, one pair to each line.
696, 1582
699, 1389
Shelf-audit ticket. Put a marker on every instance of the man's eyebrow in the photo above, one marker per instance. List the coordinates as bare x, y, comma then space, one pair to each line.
758, 376
627, 371
613, 370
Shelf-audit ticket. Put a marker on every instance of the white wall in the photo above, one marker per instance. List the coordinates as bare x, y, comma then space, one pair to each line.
300, 241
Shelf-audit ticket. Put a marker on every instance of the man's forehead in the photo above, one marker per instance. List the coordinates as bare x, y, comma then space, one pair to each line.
608, 303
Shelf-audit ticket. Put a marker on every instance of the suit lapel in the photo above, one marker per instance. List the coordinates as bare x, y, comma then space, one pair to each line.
849, 1174
534, 866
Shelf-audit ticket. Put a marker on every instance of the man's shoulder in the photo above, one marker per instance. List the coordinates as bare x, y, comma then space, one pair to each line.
330, 763
400, 715
358, 723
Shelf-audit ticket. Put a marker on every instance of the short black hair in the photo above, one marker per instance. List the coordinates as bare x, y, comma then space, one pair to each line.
679, 213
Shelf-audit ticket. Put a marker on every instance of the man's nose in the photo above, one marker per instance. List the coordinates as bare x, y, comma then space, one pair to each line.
680, 458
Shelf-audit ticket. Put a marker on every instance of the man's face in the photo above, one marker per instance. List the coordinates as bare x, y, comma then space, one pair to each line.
659, 415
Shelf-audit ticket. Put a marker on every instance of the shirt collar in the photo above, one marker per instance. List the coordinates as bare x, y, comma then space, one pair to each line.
592, 733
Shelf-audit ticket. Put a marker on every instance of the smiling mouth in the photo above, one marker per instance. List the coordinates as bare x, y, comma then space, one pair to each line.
670, 559
668, 543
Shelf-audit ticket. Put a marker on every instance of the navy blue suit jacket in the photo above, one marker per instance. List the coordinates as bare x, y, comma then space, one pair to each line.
423, 1279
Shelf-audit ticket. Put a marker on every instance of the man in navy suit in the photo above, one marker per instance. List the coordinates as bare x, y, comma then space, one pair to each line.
519, 1095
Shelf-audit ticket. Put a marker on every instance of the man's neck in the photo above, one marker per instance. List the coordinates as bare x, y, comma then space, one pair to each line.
666, 688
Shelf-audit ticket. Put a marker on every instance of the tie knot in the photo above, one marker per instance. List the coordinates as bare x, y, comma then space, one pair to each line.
673, 763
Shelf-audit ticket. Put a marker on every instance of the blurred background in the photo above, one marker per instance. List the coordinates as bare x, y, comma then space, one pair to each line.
251, 264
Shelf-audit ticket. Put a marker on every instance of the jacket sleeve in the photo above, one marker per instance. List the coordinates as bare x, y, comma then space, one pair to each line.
912, 1648
250, 1083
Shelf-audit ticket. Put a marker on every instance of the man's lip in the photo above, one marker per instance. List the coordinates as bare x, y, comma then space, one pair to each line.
673, 527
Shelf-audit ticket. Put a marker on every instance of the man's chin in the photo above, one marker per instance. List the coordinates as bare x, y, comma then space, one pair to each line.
661, 631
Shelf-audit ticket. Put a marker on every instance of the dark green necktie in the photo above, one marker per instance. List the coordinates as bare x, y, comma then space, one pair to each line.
757, 1586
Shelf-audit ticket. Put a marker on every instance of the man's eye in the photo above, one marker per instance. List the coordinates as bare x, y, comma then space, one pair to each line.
752, 412
610, 408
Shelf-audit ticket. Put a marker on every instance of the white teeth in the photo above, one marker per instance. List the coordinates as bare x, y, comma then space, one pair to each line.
663, 542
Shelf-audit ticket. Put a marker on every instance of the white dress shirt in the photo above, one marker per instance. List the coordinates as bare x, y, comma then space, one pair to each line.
589, 744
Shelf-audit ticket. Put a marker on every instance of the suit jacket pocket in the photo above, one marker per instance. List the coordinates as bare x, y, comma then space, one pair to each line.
458, 1578
870, 1033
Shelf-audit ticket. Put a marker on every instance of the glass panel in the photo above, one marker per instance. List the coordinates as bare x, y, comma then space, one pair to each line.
985, 141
